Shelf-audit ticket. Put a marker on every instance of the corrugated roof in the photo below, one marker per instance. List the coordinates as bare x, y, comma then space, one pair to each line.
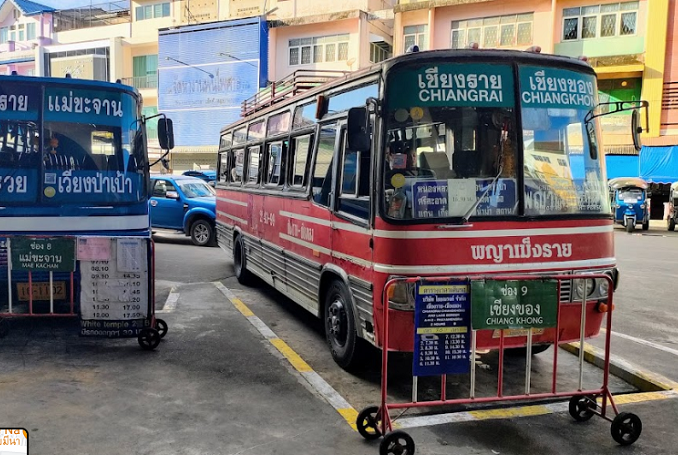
29, 8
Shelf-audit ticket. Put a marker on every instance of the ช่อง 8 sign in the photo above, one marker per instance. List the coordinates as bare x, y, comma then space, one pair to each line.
514, 304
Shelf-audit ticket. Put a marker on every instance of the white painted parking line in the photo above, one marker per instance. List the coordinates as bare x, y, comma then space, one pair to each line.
171, 302
645, 342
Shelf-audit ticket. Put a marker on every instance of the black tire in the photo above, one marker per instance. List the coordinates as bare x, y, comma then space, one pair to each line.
630, 226
149, 338
340, 330
646, 226
4, 327
397, 442
671, 224
368, 422
161, 327
243, 275
626, 428
202, 233
522, 352
581, 408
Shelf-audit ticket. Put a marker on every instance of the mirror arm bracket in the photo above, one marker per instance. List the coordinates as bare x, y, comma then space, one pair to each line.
619, 106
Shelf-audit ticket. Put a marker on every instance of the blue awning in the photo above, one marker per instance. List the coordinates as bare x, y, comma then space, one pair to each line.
659, 164
621, 166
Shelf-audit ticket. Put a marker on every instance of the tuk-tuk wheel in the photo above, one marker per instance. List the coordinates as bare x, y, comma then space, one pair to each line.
672, 224
630, 226
646, 226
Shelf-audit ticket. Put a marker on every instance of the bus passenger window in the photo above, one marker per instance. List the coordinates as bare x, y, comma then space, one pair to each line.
355, 177
253, 165
224, 158
322, 173
302, 145
236, 166
275, 163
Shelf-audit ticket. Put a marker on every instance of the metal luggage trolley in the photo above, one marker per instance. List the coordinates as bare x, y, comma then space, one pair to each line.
449, 313
106, 282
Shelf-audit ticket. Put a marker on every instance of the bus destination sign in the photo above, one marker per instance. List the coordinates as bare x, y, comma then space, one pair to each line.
55, 254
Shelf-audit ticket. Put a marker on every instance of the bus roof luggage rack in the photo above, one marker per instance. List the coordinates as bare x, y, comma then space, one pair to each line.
295, 83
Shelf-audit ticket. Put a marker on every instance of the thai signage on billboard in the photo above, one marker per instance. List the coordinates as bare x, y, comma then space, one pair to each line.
206, 71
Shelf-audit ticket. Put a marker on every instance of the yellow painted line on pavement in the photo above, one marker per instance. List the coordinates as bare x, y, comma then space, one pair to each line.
509, 413
297, 362
345, 410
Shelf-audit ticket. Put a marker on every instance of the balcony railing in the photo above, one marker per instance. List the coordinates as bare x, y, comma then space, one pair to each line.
97, 15
141, 82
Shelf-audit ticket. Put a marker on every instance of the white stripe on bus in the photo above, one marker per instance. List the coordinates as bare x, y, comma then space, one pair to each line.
234, 218
482, 268
308, 219
335, 254
488, 233
232, 201
74, 223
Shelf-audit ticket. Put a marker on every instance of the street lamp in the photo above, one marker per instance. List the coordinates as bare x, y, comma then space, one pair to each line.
186, 64
224, 54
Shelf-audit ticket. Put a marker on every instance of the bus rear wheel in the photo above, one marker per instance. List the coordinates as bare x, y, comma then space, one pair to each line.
243, 275
340, 329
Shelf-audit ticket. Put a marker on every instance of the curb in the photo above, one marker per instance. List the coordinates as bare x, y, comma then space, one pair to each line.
644, 380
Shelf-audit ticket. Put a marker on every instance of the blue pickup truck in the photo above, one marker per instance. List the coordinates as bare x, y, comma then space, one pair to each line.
185, 204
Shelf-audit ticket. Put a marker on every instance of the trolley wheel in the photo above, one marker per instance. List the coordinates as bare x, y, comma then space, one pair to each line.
368, 423
243, 275
626, 428
149, 338
398, 443
581, 407
671, 224
4, 327
161, 327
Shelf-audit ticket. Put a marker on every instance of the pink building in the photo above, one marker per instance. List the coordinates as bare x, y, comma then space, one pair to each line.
25, 27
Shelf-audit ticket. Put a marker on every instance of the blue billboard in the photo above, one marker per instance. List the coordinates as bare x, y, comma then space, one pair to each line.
205, 72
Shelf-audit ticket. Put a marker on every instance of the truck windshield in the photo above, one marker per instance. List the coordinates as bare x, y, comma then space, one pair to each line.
562, 163
196, 189
451, 129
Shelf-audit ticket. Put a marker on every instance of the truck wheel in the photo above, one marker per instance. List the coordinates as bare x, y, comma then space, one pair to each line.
243, 275
672, 224
340, 330
202, 233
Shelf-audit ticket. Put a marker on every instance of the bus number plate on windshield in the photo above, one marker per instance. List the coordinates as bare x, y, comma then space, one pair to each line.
41, 291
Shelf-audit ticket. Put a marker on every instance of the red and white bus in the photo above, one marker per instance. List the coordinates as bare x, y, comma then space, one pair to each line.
455, 162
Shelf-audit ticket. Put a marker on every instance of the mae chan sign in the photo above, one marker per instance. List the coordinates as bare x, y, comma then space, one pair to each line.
453, 84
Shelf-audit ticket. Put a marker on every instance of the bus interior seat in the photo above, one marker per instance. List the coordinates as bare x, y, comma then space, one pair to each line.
438, 163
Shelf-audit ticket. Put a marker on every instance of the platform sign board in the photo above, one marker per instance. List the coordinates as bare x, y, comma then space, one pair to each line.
514, 304
39, 254
114, 287
442, 328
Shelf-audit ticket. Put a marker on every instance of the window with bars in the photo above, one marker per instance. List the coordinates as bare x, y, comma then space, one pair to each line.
496, 31
600, 21
415, 34
319, 49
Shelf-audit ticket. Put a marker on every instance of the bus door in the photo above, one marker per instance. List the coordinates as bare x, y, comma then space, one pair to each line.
351, 235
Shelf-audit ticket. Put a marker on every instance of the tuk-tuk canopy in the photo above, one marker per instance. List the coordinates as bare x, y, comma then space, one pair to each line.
628, 182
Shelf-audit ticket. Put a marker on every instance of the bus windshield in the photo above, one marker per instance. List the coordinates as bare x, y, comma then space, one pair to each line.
451, 145
451, 140
87, 150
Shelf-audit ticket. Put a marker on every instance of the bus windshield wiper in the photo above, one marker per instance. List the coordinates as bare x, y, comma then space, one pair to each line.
491, 186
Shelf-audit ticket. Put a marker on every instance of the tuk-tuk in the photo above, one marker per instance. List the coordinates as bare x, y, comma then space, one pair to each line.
630, 202
673, 207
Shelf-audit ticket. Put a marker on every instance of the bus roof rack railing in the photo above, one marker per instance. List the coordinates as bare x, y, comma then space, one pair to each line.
295, 83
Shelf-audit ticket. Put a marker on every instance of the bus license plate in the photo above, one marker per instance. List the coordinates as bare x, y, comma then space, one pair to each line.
516, 333
41, 290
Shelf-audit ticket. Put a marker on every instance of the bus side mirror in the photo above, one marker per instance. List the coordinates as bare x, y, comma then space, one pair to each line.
357, 130
636, 129
165, 133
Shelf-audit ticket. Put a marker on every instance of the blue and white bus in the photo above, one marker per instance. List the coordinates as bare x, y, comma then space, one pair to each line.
74, 171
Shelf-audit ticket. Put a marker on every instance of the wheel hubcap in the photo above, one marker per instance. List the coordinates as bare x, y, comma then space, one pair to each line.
335, 321
201, 233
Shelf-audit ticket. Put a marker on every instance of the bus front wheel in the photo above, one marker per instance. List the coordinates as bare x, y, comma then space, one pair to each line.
340, 329
243, 275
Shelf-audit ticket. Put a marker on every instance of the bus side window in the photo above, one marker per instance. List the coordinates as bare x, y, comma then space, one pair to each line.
299, 160
322, 173
224, 158
355, 180
253, 159
274, 162
235, 166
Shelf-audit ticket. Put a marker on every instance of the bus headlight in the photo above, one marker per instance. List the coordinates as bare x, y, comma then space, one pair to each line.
401, 296
603, 287
584, 287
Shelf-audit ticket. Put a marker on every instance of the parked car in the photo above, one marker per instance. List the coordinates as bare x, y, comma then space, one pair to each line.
185, 204
208, 175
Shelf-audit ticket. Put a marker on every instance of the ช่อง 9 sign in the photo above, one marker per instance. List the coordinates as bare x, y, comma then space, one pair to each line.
442, 329
43, 254
514, 304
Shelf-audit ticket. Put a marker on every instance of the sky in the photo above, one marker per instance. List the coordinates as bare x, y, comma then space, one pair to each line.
65, 4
